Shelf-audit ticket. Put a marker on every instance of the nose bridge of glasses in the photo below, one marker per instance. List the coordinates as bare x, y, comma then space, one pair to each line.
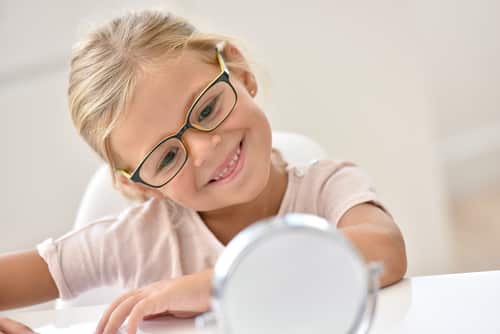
199, 143
184, 129
197, 132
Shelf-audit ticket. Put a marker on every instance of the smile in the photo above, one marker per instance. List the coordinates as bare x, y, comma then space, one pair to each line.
231, 167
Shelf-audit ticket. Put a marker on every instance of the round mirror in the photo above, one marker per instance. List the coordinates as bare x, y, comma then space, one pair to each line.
292, 274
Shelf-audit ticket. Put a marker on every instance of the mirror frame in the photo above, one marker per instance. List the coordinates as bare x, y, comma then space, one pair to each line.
251, 237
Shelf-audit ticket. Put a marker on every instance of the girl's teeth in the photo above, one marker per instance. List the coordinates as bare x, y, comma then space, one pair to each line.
231, 163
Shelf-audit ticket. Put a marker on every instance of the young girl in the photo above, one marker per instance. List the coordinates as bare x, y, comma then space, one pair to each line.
172, 111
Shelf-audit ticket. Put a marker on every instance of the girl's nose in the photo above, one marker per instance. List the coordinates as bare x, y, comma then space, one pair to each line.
201, 145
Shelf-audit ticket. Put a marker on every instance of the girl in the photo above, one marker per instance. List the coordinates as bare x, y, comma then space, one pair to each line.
172, 111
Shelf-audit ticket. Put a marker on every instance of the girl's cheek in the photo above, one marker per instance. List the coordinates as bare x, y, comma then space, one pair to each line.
180, 187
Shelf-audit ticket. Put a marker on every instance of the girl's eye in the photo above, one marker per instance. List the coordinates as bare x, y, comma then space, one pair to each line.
205, 113
167, 160
208, 110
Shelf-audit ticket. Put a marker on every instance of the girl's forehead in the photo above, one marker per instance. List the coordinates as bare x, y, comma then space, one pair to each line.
159, 104
172, 82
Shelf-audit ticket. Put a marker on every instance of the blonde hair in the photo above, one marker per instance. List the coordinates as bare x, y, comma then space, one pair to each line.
106, 64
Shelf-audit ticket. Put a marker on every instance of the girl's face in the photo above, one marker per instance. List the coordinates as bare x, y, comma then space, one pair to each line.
158, 109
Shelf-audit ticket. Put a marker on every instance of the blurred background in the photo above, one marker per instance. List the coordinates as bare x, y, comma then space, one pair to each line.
407, 89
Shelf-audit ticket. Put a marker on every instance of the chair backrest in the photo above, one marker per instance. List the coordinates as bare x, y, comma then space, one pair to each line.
101, 199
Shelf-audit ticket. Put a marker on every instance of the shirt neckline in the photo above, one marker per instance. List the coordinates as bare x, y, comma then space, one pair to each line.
214, 241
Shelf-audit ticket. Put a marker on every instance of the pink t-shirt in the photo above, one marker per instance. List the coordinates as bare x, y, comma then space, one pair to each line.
159, 239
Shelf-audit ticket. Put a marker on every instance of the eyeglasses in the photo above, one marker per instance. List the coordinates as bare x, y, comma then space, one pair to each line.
212, 106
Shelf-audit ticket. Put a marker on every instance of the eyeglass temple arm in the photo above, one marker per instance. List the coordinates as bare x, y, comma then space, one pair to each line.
124, 173
220, 47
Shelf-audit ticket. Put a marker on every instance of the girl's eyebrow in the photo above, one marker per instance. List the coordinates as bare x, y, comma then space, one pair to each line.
190, 101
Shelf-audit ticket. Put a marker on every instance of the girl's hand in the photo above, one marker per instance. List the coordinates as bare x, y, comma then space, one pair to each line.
183, 297
8, 326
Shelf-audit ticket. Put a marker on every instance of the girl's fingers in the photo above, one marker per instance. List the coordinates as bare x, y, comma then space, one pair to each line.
184, 314
157, 315
141, 309
120, 313
11, 326
105, 317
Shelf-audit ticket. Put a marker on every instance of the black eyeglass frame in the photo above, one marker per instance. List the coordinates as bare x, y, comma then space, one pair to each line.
222, 77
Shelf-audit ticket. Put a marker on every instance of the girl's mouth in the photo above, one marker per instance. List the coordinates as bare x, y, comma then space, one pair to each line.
232, 168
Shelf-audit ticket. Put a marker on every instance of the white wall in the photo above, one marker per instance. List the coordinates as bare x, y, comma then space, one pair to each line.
369, 80
459, 49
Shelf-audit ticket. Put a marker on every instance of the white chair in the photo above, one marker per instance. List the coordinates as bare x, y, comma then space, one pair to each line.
101, 199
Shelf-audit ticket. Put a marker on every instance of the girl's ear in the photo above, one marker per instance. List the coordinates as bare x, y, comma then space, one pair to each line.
136, 191
242, 70
250, 83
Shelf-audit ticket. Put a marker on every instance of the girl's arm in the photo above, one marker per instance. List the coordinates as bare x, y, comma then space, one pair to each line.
377, 238
25, 280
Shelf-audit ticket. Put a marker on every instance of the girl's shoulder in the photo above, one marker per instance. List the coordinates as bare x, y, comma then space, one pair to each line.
315, 181
328, 188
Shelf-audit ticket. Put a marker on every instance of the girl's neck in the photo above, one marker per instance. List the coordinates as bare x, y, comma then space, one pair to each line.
227, 223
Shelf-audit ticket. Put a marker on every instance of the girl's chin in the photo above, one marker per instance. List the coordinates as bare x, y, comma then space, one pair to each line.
242, 195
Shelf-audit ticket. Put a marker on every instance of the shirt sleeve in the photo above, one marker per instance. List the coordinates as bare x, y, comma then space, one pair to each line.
345, 186
135, 248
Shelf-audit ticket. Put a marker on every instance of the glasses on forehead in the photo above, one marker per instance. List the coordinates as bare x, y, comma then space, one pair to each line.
212, 106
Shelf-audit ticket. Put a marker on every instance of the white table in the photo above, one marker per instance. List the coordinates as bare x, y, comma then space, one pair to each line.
456, 303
